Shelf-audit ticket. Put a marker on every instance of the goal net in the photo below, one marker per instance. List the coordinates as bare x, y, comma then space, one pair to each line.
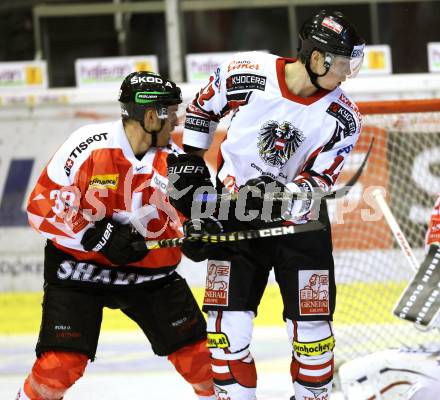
371, 270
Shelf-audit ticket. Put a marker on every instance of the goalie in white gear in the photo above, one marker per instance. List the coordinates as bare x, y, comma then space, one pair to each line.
291, 127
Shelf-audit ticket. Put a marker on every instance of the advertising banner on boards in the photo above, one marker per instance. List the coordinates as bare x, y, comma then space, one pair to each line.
110, 71
23, 75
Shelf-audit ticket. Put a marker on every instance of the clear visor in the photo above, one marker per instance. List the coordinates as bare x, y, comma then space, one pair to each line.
348, 67
163, 112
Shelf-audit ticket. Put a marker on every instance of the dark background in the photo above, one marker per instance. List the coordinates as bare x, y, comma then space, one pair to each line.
407, 27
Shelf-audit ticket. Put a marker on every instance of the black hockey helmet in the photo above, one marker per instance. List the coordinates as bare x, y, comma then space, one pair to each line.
141, 90
333, 35
329, 32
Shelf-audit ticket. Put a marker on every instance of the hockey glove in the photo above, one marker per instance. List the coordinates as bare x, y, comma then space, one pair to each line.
198, 250
268, 209
115, 241
186, 173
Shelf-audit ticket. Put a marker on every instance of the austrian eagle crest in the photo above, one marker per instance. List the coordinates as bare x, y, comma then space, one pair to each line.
278, 141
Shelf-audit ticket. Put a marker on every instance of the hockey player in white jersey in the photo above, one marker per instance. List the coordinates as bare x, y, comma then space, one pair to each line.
291, 127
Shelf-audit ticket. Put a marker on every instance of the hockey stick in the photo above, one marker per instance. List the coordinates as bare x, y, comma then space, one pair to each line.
395, 229
419, 300
316, 194
235, 236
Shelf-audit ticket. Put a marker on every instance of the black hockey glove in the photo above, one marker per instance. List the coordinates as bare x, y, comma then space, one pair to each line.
115, 241
186, 173
198, 250
268, 209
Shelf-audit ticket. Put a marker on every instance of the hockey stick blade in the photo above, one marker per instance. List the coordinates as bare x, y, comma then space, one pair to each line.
317, 194
420, 301
234, 236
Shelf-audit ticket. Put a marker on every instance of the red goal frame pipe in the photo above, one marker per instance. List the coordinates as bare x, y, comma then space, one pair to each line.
399, 106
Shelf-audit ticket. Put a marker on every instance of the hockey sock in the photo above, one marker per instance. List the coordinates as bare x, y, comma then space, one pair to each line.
235, 379
312, 358
193, 362
53, 373
312, 380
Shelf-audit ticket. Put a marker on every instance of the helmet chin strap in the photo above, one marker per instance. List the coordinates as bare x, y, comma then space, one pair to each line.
314, 76
153, 133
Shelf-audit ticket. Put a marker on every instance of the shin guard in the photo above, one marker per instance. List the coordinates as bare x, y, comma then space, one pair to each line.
53, 373
193, 362
312, 381
229, 337
235, 379
312, 361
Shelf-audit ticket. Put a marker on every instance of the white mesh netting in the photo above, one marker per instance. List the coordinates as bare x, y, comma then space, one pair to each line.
371, 271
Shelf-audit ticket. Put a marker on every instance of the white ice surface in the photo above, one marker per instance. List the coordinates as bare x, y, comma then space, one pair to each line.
126, 368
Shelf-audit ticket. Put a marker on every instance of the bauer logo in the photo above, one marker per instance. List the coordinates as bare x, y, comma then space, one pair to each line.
314, 292
146, 97
217, 283
104, 181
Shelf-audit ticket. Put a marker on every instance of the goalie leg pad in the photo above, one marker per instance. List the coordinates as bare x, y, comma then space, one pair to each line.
53, 373
229, 337
193, 362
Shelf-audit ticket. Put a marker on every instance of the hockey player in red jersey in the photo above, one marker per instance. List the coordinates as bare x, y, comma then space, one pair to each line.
102, 191
291, 128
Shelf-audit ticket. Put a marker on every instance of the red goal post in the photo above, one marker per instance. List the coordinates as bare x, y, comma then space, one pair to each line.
399, 106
